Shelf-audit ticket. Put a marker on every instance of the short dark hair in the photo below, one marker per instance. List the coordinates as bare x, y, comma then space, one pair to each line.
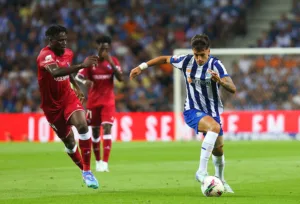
103, 39
54, 30
200, 42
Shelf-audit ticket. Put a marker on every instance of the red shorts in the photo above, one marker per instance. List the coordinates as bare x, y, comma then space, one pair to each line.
104, 114
59, 120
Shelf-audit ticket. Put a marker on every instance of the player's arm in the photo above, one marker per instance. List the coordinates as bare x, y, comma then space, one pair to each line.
80, 77
117, 72
76, 88
225, 82
155, 61
228, 84
57, 71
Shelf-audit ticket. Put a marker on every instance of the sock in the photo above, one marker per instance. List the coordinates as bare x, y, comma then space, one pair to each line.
206, 149
219, 162
75, 156
96, 147
106, 147
85, 144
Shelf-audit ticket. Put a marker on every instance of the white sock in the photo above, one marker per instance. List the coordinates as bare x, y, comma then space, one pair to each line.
219, 162
206, 150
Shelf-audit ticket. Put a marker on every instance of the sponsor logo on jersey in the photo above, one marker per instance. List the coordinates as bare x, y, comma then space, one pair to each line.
102, 76
63, 78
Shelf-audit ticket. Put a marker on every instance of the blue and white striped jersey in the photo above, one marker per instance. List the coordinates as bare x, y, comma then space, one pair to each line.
202, 92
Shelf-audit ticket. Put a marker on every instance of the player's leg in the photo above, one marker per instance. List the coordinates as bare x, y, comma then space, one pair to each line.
208, 125
107, 143
201, 122
72, 150
96, 141
218, 159
94, 120
107, 118
78, 119
65, 133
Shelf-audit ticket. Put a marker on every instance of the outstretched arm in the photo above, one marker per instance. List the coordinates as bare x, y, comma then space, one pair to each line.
155, 61
57, 71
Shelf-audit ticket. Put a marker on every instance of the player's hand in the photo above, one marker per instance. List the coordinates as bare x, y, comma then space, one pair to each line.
135, 72
90, 61
214, 76
106, 56
89, 83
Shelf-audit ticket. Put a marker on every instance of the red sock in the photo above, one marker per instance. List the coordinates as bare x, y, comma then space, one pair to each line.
76, 157
106, 147
96, 148
85, 147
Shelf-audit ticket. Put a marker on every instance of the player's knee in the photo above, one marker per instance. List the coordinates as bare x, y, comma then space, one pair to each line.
70, 144
96, 133
218, 151
214, 127
82, 128
107, 129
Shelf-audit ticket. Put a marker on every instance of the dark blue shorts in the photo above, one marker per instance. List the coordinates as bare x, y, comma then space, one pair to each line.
193, 116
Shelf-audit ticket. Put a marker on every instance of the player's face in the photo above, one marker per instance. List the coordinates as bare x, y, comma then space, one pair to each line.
103, 47
59, 43
201, 57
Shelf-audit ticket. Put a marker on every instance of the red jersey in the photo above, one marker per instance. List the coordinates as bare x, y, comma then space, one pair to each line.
102, 75
55, 92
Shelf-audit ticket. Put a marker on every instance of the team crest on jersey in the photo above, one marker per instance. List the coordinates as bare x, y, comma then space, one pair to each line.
207, 76
109, 67
48, 58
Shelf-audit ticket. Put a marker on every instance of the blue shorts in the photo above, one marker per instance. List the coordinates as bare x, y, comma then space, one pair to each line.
193, 116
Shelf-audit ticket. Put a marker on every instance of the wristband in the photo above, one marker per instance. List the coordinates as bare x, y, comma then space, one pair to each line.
143, 66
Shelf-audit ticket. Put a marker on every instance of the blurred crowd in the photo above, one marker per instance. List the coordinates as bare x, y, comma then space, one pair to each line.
142, 29
266, 83
285, 31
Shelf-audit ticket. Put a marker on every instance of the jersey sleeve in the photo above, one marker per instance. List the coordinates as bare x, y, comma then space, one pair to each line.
117, 63
220, 69
83, 72
46, 58
177, 60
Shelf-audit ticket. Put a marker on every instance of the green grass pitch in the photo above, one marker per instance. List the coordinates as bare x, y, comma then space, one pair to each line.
259, 172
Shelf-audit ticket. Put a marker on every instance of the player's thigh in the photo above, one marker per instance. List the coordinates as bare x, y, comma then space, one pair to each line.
61, 128
200, 121
208, 123
93, 117
74, 113
107, 114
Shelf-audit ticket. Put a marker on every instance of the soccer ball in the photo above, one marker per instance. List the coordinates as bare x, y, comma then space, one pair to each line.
212, 187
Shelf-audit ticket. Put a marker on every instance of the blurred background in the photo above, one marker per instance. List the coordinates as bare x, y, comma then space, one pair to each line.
143, 29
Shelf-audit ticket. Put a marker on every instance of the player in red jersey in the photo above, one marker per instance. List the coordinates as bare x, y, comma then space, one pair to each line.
101, 99
60, 103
